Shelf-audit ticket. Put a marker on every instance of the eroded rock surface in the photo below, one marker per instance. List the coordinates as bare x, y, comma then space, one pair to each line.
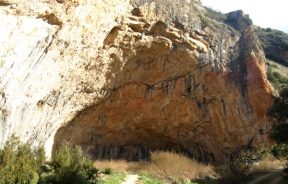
125, 77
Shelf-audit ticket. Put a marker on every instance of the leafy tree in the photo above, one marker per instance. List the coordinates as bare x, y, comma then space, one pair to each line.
19, 163
71, 165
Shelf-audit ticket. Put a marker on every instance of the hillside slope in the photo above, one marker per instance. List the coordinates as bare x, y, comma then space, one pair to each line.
275, 44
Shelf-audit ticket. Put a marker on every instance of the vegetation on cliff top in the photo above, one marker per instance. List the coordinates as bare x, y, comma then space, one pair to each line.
237, 19
278, 80
275, 44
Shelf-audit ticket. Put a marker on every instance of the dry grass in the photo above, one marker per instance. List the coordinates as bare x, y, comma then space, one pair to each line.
268, 163
115, 165
166, 165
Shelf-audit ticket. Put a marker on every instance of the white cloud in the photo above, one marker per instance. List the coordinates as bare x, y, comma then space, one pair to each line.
264, 13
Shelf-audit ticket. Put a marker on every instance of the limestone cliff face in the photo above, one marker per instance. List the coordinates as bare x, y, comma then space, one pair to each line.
124, 77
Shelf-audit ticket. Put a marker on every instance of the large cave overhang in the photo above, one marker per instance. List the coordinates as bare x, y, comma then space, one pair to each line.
166, 90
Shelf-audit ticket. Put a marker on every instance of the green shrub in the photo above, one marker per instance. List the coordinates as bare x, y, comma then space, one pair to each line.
280, 151
242, 159
273, 65
19, 163
71, 166
278, 81
205, 21
107, 171
280, 78
272, 78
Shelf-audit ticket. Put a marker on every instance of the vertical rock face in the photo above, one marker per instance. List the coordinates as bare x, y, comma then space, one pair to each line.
22, 66
45, 49
125, 77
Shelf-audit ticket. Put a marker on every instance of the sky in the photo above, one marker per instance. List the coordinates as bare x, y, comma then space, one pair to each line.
264, 13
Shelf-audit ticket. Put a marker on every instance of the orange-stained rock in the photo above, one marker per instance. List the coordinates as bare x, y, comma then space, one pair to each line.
204, 94
123, 77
